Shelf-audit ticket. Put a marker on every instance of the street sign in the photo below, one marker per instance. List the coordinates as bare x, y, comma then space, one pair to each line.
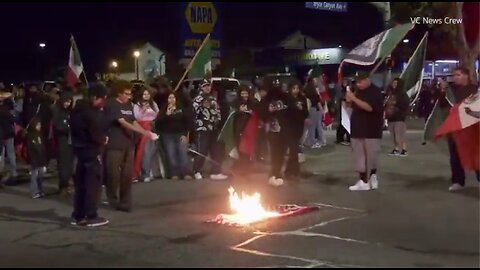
329, 6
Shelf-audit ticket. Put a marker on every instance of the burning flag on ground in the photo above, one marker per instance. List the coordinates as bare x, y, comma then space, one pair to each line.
465, 130
248, 209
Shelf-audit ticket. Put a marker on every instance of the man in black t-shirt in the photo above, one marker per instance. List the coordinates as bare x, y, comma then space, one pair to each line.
119, 156
366, 130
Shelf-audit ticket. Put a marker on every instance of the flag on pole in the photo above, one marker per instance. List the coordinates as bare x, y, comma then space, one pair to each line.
412, 75
437, 116
201, 65
379, 46
75, 65
227, 136
465, 130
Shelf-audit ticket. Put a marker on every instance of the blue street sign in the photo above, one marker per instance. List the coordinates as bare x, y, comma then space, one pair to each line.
330, 6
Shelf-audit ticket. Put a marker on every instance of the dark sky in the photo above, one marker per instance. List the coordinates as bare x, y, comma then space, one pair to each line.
104, 31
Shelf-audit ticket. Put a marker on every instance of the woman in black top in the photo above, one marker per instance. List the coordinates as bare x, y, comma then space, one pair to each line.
297, 113
396, 110
174, 122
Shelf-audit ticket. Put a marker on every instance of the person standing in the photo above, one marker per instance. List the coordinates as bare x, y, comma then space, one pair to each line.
88, 141
145, 111
207, 116
121, 129
366, 126
37, 158
174, 122
462, 88
63, 141
396, 110
297, 113
7, 133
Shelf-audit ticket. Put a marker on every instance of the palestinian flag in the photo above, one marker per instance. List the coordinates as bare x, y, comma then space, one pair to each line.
227, 136
412, 75
378, 47
201, 65
75, 65
465, 130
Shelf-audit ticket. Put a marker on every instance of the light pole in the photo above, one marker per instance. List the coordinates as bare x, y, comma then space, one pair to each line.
114, 66
136, 54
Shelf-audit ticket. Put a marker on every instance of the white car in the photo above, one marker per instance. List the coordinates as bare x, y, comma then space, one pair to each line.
227, 86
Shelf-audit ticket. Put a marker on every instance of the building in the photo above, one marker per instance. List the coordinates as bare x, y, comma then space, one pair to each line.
151, 63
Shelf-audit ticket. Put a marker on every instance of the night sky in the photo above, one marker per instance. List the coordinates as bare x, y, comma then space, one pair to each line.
106, 31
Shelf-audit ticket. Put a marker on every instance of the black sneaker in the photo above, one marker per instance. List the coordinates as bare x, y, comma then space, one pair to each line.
76, 222
404, 153
394, 153
97, 222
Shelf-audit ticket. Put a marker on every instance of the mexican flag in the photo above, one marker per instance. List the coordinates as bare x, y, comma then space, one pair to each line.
412, 75
75, 65
465, 130
437, 117
227, 136
201, 65
378, 47
249, 137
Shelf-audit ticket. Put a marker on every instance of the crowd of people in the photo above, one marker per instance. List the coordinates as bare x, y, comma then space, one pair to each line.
116, 133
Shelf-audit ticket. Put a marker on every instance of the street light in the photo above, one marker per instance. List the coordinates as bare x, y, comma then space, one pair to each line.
114, 64
406, 41
136, 54
339, 46
42, 45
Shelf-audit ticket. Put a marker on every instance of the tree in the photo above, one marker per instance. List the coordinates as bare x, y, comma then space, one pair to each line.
459, 39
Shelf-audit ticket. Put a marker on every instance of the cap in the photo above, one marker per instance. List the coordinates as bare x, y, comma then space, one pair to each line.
205, 82
361, 75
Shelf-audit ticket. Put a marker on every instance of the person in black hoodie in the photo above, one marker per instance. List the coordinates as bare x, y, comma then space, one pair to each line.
277, 132
7, 132
174, 122
62, 137
244, 108
37, 157
88, 140
297, 113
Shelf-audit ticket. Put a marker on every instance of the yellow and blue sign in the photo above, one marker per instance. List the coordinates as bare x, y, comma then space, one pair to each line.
199, 19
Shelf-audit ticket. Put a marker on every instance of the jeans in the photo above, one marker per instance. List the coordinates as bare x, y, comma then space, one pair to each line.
316, 125
88, 185
12, 158
458, 173
147, 159
206, 143
176, 153
64, 162
119, 177
36, 180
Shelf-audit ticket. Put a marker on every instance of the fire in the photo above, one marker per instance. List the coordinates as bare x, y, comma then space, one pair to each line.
246, 209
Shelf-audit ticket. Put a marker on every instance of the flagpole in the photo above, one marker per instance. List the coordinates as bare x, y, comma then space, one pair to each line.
85, 76
418, 47
72, 41
191, 62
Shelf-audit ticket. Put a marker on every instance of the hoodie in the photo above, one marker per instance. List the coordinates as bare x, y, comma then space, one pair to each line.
61, 117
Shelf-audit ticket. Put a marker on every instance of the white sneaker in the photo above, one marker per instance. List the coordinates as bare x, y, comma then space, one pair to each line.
360, 186
455, 187
147, 179
219, 176
373, 181
301, 158
275, 181
198, 176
